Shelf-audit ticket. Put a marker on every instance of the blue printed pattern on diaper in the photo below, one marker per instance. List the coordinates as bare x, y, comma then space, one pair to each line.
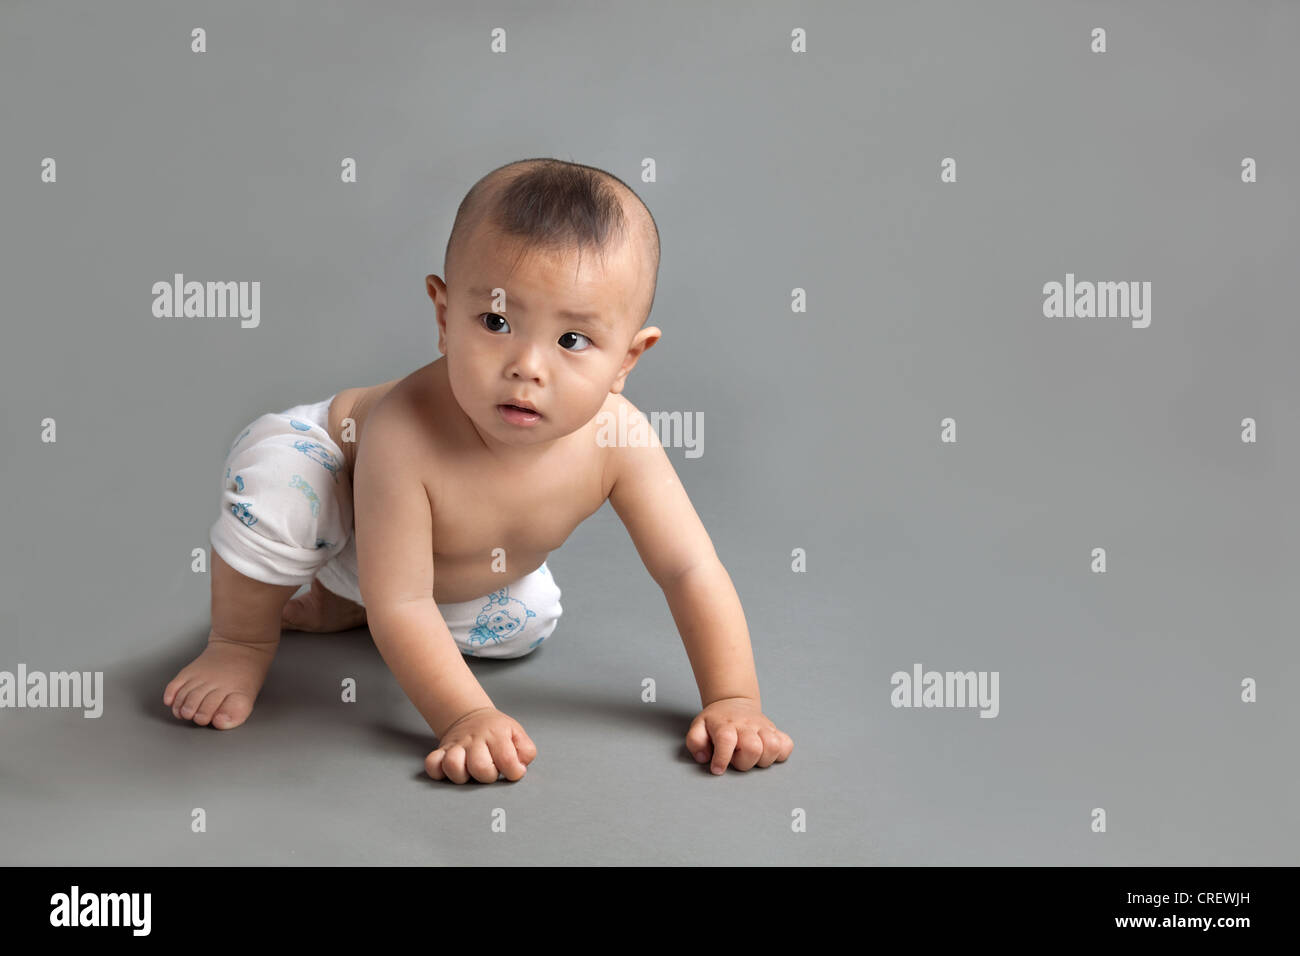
501, 619
301, 426
241, 512
319, 454
306, 489
241, 437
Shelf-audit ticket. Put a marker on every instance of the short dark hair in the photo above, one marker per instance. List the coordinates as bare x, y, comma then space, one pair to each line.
557, 205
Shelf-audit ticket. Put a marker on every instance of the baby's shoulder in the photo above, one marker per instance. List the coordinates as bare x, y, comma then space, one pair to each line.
622, 433
618, 403
620, 419
396, 421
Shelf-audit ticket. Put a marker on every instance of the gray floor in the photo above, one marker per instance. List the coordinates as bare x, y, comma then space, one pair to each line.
1187, 774
311, 780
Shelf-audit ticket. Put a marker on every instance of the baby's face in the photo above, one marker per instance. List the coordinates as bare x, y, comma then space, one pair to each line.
560, 342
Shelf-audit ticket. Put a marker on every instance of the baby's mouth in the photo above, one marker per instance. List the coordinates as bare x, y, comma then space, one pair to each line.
518, 415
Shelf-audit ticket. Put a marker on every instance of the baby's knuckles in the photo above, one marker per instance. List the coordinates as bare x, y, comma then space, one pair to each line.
503, 757
481, 747
748, 749
771, 746
481, 762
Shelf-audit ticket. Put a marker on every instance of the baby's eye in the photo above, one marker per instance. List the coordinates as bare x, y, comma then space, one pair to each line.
577, 335
492, 315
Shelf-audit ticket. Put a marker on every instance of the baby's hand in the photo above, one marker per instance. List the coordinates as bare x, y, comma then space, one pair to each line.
483, 742
740, 735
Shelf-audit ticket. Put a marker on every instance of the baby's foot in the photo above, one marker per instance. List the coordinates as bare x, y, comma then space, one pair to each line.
220, 685
322, 612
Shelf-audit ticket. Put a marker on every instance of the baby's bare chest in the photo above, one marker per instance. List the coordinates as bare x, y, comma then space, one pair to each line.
477, 508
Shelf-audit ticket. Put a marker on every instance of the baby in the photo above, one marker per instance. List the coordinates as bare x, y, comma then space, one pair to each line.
425, 507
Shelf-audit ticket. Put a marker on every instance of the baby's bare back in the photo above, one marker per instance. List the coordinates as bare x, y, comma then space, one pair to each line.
477, 504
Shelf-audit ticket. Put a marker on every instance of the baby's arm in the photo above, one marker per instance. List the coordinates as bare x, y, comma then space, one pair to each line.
393, 527
677, 551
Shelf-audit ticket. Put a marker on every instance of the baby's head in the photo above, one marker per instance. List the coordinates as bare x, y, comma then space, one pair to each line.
576, 254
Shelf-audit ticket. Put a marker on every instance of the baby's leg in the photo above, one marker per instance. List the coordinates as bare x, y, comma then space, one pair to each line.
321, 611
221, 684
286, 511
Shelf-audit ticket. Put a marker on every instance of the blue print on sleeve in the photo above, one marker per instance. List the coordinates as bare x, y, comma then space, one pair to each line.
320, 454
307, 490
502, 618
301, 426
239, 482
241, 512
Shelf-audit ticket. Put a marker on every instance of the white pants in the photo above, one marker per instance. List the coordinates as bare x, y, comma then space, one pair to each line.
286, 518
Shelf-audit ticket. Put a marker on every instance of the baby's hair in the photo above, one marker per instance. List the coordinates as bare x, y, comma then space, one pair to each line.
554, 205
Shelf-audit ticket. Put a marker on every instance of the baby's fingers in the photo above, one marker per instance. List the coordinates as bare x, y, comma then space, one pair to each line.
479, 763
773, 746
524, 746
453, 764
749, 750
697, 741
434, 764
507, 759
724, 744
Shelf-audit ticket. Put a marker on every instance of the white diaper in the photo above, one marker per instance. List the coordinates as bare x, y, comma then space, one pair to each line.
286, 518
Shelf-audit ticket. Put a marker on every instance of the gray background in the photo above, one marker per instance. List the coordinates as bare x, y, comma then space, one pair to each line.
775, 170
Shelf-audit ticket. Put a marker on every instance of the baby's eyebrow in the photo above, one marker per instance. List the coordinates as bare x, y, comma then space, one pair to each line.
591, 318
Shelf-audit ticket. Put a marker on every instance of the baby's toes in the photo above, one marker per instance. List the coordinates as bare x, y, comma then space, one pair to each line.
234, 710
208, 706
174, 688
182, 699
